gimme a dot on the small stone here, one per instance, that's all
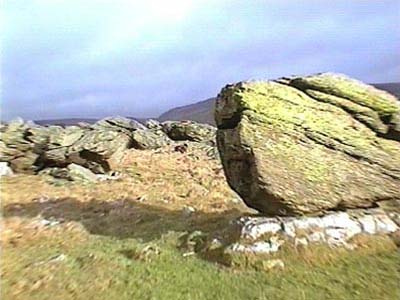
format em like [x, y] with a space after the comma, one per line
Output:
[191, 253]
[148, 253]
[273, 264]
[79, 173]
[5, 170]
[57, 258]
[256, 227]
[105, 177]
[256, 248]
[316, 237]
[48, 223]
[188, 211]
[300, 242]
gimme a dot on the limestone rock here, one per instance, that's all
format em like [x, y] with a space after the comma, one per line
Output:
[305, 145]
[267, 234]
[5, 170]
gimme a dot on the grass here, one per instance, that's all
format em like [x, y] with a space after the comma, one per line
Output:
[122, 240]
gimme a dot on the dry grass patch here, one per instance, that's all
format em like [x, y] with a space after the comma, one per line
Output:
[121, 240]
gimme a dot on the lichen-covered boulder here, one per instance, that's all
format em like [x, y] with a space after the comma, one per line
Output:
[305, 145]
[189, 131]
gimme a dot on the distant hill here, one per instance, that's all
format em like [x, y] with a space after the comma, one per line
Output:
[203, 111]
[392, 87]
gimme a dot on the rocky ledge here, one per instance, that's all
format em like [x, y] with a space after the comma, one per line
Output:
[86, 152]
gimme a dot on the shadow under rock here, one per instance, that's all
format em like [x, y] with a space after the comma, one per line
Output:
[126, 218]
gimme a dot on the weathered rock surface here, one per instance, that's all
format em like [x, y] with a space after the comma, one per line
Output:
[149, 139]
[267, 235]
[121, 123]
[189, 131]
[30, 148]
[17, 149]
[306, 145]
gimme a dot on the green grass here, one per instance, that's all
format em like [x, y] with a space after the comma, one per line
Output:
[123, 240]
[104, 267]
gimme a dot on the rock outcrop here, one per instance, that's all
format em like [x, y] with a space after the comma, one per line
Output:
[266, 235]
[307, 145]
[30, 148]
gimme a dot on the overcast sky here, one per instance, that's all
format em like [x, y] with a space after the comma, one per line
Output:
[74, 58]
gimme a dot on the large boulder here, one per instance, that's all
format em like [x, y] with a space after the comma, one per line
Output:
[305, 145]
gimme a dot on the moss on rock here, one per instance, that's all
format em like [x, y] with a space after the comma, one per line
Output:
[291, 151]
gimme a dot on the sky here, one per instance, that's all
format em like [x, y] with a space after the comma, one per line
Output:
[96, 58]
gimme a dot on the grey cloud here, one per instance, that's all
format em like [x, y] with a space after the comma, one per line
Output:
[55, 65]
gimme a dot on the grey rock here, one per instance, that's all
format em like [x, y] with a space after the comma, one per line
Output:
[260, 247]
[29, 148]
[189, 131]
[119, 123]
[153, 124]
[149, 139]
[79, 173]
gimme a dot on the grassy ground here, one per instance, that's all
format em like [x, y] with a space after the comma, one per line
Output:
[121, 240]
